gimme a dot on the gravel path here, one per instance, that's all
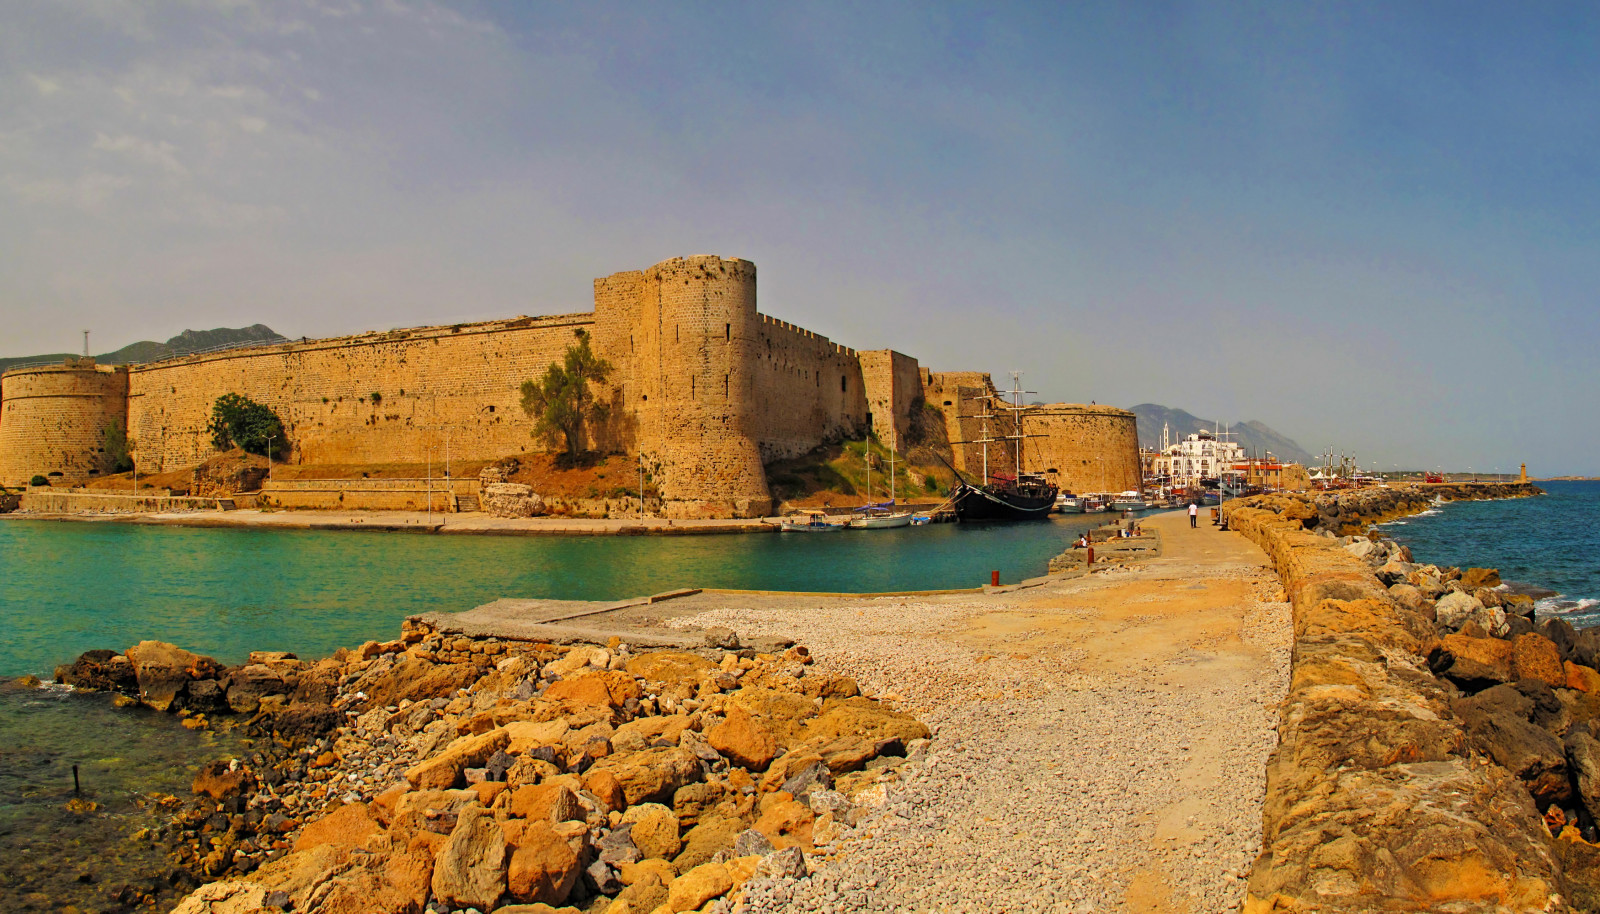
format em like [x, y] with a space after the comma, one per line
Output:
[1099, 743]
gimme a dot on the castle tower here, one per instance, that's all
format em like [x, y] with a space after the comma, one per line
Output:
[53, 420]
[691, 334]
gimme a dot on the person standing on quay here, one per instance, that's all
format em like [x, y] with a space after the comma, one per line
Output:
[1194, 513]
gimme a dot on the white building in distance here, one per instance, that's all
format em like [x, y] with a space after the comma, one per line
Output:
[1202, 455]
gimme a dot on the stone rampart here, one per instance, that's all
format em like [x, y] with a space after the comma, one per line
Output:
[47, 501]
[1374, 800]
[367, 494]
[893, 384]
[438, 389]
[53, 420]
[1083, 448]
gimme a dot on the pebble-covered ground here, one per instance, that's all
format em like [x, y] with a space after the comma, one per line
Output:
[1099, 743]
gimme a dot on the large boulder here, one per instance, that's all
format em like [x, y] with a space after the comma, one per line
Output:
[511, 499]
[543, 869]
[416, 679]
[444, 770]
[1473, 663]
[247, 685]
[1474, 578]
[1535, 657]
[654, 830]
[348, 826]
[1496, 724]
[651, 775]
[1583, 754]
[743, 740]
[107, 671]
[164, 670]
[470, 870]
[220, 779]
[604, 688]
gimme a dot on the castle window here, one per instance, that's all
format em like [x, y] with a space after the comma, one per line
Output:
[842, 382]
[724, 387]
[675, 337]
[691, 385]
[947, 403]
[727, 331]
[491, 407]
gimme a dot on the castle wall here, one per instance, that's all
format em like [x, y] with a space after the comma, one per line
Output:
[52, 420]
[810, 390]
[894, 387]
[693, 388]
[1083, 448]
[439, 388]
[955, 394]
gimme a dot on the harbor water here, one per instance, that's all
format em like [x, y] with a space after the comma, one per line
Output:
[70, 587]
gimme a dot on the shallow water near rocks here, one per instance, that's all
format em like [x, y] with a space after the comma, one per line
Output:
[52, 854]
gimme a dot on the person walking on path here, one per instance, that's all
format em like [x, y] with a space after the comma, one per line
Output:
[1194, 514]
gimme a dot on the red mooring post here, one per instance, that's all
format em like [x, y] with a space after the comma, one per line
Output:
[1088, 558]
[994, 579]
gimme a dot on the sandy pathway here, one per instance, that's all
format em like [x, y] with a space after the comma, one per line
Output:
[1100, 741]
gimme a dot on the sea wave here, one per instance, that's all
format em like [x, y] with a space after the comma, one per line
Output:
[1562, 605]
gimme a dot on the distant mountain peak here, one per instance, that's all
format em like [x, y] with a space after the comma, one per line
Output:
[149, 351]
[1252, 435]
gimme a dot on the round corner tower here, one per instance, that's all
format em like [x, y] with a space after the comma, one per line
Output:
[53, 420]
[695, 385]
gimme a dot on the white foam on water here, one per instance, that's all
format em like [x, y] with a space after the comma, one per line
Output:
[1563, 606]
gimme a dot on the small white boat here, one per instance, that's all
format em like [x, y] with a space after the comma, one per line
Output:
[1091, 504]
[1067, 503]
[881, 521]
[1129, 501]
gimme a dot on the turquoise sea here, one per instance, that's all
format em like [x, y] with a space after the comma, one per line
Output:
[68, 587]
[1549, 544]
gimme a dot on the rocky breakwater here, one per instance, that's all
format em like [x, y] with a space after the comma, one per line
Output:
[489, 775]
[1352, 511]
[1437, 749]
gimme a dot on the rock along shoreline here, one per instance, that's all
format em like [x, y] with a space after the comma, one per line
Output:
[439, 772]
[1438, 746]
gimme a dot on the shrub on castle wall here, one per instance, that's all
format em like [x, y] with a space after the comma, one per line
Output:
[241, 422]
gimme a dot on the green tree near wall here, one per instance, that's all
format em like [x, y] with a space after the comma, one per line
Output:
[560, 402]
[114, 442]
[242, 422]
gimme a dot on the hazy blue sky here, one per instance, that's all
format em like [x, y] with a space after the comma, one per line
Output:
[1372, 226]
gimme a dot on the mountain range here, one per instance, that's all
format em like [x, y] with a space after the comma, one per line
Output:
[1254, 437]
[149, 351]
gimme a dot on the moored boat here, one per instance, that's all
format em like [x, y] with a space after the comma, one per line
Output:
[1068, 503]
[1027, 497]
[1129, 501]
[880, 517]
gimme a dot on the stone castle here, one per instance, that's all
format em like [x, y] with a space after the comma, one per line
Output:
[706, 389]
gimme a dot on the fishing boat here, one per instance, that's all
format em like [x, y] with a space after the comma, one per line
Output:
[1092, 504]
[810, 522]
[1068, 503]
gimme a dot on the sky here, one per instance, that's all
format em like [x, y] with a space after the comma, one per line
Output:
[1373, 226]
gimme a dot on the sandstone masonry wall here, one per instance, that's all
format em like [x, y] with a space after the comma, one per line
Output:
[1084, 448]
[953, 393]
[52, 420]
[454, 387]
[894, 388]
